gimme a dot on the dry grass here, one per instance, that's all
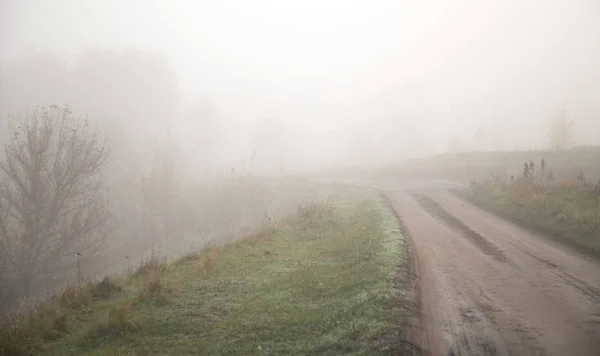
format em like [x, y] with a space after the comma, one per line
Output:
[119, 318]
[74, 297]
[312, 212]
[106, 288]
[208, 261]
[118, 322]
[155, 287]
[192, 256]
[566, 209]
[152, 264]
[264, 233]
[21, 332]
[16, 336]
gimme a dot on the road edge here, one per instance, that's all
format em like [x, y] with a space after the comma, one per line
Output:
[413, 323]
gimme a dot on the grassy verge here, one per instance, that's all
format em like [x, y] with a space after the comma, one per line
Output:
[564, 210]
[328, 280]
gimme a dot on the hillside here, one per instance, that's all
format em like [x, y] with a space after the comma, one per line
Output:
[479, 165]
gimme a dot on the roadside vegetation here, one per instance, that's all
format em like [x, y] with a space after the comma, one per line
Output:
[74, 205]
[464, 166]
[328, 279]
[567, 208]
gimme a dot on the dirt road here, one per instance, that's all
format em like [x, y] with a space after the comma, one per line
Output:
[490, 287]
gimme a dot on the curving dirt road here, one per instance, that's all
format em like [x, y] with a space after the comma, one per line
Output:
[490, 287]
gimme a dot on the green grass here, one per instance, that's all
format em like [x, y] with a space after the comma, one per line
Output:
[329, 280]
[566, 212]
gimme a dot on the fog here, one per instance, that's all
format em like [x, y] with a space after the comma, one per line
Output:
[211, 109]
[317, 82]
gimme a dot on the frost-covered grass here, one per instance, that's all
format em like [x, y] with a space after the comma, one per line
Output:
[328, 279]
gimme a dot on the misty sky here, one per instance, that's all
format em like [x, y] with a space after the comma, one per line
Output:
[326, 68]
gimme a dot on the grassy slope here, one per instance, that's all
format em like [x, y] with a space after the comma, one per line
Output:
[565, 212]
[479, 165]
[328, 281]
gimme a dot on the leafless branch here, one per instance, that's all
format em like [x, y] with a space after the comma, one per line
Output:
[52, 202]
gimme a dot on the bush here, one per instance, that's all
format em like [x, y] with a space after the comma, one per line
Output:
[106, 288]
[74, 297]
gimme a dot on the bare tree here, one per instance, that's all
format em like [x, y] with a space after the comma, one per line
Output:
[562, 128]
[52, 201]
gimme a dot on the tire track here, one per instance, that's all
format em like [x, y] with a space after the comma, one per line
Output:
[592, 293]
[553, 258]
[433, 208]
[486, 288]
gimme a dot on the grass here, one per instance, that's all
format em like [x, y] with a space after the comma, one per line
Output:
[564, 209]
[329, 280]
[465, 166]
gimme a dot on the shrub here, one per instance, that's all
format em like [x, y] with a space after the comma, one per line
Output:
[106, 288]
[74, 297]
